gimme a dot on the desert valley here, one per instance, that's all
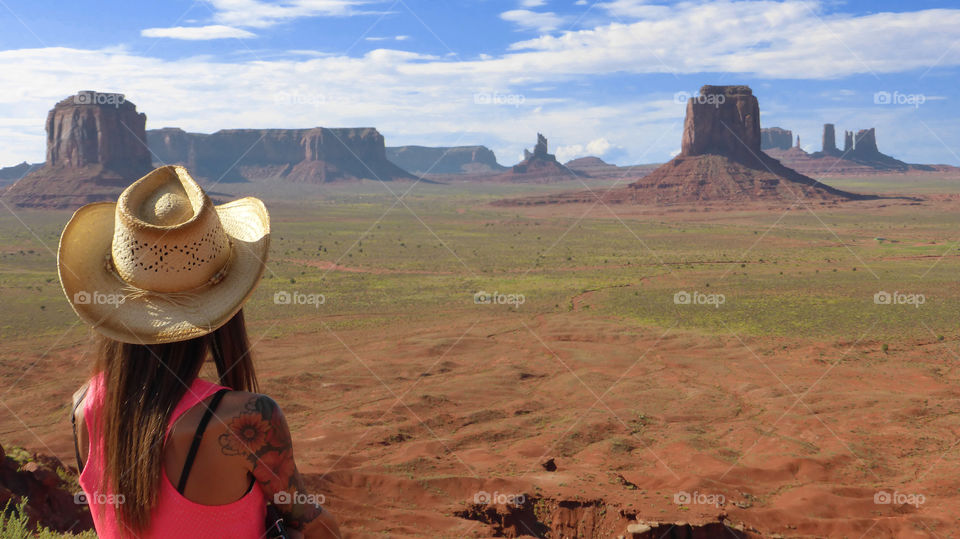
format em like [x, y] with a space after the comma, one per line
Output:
[749, 340]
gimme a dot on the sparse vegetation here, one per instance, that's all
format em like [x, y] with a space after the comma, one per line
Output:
[15, 525]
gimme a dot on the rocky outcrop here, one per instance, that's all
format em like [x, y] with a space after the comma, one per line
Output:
[860, 155]
[539, 166]
[538, 159]
[445, 160]
[720, 161]
[50, 500]
[317, 155]
[721, 158]
[866, 152]
[775, 138]
[9, 175]
[722, 120]
[96, 145]
[829, 144]
[865, 143]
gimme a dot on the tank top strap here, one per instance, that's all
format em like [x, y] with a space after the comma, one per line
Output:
[198, 391]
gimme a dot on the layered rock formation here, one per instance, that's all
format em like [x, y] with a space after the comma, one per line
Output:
[317, 155]
[775, 138]
[50, 502]
[722, 120]
[860, 155]
[830, 140]
[864, 150]
[9, 175]
[447, 160]
[720, 160]
[865, 143]
[95, 148]
[539, 166]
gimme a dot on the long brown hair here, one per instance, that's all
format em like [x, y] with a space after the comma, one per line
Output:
[144, 383]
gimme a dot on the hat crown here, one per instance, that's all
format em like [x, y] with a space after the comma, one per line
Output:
[167, 234]
[168, 209]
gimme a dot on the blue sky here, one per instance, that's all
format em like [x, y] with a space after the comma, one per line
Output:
[597, 77]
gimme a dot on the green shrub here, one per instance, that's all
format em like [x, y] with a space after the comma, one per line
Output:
[15, 525]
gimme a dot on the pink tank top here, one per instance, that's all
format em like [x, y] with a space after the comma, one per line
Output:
[174, 515]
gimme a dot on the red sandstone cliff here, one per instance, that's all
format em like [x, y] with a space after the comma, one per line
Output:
[316, 155]
[96, 146]
[720, 161]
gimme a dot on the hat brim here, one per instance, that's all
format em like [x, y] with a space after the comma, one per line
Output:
[98, 295]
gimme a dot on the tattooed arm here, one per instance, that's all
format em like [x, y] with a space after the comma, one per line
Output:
[259, 432]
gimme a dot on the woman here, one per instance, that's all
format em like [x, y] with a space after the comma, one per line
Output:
[162, 276]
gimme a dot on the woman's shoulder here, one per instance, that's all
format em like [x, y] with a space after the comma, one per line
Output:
[251, 425]
[236, 403]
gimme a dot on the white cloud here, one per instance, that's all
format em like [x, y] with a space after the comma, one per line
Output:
[385, 38]
[409, 95]
[262, 14]
[195, 33]
[533, 20]
[532, 3]
[791, 39]
[599, 147]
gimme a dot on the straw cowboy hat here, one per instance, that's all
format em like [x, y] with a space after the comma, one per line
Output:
[162, 264]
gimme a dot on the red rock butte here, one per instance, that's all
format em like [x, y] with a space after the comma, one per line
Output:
[720, 161]
[96, 146]
[314, 156]
[539, 166]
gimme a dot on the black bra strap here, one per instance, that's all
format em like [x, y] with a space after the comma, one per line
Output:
[73, 421]
[197, 437]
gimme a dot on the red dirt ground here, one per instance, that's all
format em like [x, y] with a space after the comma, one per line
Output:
[403, 428]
